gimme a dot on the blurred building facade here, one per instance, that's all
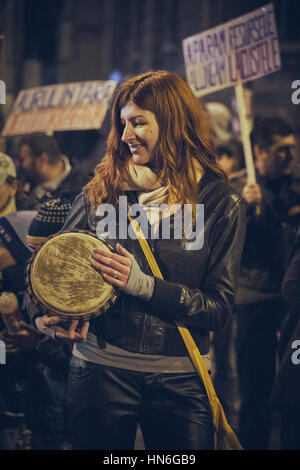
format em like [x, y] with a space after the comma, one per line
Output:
[56, 41]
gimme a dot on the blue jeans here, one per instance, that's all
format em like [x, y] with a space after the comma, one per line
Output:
[105, 405]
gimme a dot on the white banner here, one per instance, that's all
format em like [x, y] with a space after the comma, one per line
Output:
[240, 50]
[69, 106]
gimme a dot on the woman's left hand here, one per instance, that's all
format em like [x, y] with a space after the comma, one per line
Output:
[115, 268]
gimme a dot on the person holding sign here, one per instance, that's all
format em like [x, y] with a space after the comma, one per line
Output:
[259, 305]
[286, 391]
[130, 364]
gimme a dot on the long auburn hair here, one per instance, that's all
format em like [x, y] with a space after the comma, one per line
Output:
[184, 133]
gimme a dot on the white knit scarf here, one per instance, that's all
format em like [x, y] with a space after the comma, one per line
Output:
[150, 191]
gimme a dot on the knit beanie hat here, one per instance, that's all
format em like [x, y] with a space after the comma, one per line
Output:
[49, 220]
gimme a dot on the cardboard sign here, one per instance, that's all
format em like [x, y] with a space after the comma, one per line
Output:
[70, 106]
[240, 50]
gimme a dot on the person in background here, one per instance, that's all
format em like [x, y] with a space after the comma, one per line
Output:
[286, 391]
[273, 209]
[14, 254]
[8, 185]
[37, 365]
[45, 171]
[229, 148]
[230, 157]
[221, 121]
[84, 146]
[14, 251]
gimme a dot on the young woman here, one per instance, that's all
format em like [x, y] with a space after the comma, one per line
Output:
[130, 364]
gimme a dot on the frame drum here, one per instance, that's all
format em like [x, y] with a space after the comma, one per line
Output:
[61, 280]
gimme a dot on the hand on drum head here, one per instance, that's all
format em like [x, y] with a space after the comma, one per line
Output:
[115, 268]
[76, 332]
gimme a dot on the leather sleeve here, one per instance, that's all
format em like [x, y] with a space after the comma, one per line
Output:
[209, 306]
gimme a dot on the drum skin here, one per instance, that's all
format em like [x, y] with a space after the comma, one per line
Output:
[61, 280]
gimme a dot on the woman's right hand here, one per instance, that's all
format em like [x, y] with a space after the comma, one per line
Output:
[49, 325]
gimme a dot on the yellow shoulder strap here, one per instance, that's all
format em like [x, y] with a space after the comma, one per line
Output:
[196, 358]
[186, 336]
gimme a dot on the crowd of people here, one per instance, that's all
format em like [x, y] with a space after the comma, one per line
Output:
[89, 390]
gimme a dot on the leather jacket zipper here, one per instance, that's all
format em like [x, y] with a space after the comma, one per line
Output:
[146, 322]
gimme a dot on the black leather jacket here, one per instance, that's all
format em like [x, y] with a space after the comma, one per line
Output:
[198, 286]
[269, 235]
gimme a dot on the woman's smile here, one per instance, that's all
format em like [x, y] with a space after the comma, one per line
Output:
[140, 132]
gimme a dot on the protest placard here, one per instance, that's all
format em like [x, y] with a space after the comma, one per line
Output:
[240, 50]
[230, 54]
[70, 106]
